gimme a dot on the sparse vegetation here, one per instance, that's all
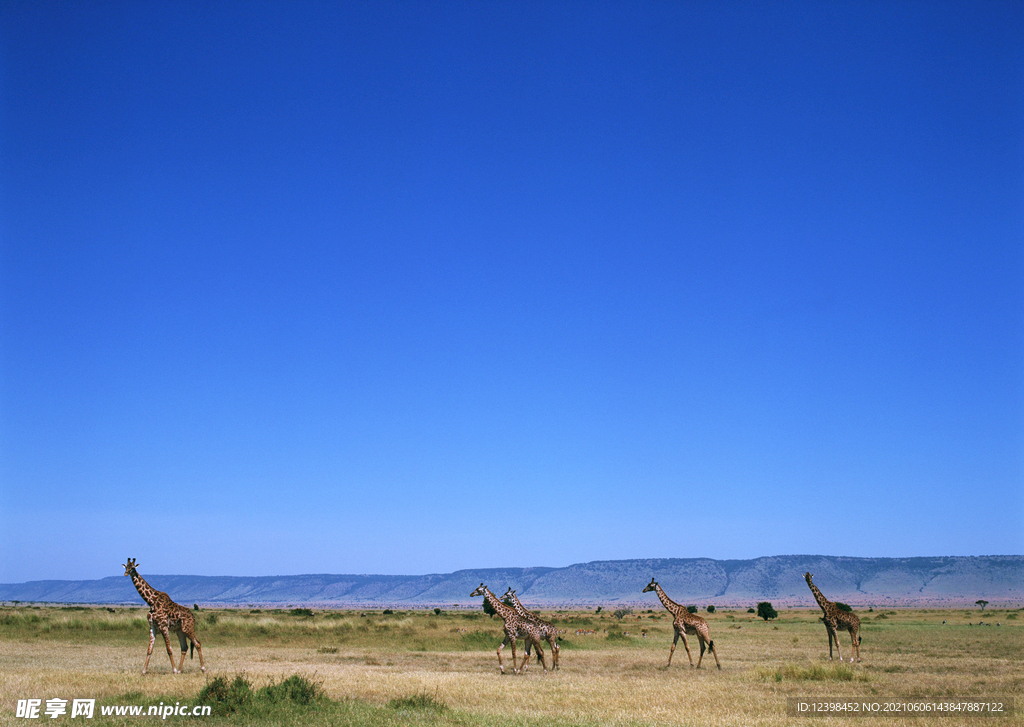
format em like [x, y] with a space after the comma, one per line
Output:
[439, 670]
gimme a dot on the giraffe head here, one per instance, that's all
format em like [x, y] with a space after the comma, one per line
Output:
[130, 566]
[808, 577]
[508, 594]
[479, 591]
[650, 586]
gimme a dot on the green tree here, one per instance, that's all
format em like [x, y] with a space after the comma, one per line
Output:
[981, 602]
[765, 610]
[843, 607]
[711, 609]
[691, 609]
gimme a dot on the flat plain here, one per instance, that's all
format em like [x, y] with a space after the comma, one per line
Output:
[426, 668]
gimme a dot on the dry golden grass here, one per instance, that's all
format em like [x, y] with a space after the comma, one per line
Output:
[616, 680]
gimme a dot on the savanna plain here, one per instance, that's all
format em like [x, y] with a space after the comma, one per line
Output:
[352, 667]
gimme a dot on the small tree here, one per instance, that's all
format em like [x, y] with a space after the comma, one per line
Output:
[981, 602]
[691, 609]
[437, 612]
[765, 610]
[621, 613]
[843, 607]
[711, 609]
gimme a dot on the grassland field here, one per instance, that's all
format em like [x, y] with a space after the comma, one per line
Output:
[416, 667]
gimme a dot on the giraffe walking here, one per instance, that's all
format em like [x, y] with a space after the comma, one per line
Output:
[548, 632]
[835, 619]
[685, 623]
[167, 616]
[515, 627]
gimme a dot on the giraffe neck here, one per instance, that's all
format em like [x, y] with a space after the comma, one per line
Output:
[503, 610]
[517, 605]
[145, 590]
[820, 598]
[668, 602]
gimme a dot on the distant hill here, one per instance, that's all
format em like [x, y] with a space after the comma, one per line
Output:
[860, 582]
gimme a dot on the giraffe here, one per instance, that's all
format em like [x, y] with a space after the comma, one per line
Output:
[685, 623]
[167, 616]
[515, 626]
[834, 619]
[548, 632]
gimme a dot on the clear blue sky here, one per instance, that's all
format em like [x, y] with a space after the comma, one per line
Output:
[374, 287]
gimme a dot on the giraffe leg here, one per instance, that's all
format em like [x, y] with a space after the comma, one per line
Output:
[672, 649]
[152, 639]
[854, 646]
[540, 656]
[554, 652]
[501, 646]
[714, 652]
[839, 649]
[700, 642]
[170, 651]
[687, 647]
[199, 648]
[525, 658]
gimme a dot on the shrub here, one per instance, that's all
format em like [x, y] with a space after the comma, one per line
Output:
[765, 610]
[296, 689]
[621, 613]
[437, 612]
[691, 609]
[225, 698]
[303, 612]
[750, 610]
[843, 607]
[711, 609]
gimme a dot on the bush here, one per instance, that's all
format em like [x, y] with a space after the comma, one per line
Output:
[304, 612]
[296, 689]
[765, 610]
[225, 698]
[238, 696]
[711, 609]
[750, 610]
[843, 607]
[621, 613]
[691, 609]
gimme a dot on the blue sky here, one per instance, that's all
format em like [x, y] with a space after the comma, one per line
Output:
[375, 287]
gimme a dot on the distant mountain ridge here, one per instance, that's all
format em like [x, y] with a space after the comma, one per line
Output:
[949, 581]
